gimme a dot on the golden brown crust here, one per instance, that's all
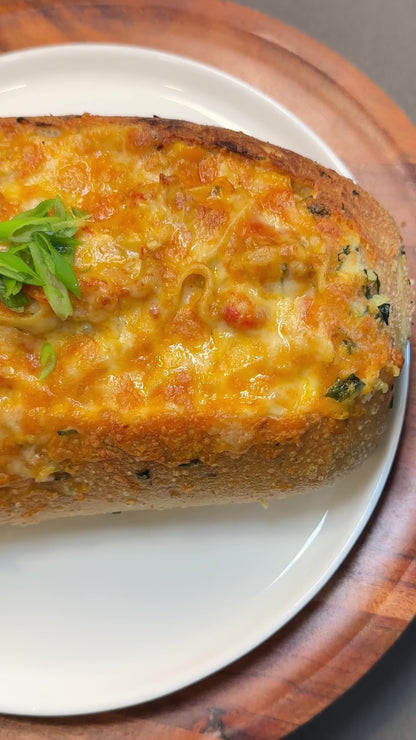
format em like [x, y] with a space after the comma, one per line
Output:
[125, 482]
[136, 468]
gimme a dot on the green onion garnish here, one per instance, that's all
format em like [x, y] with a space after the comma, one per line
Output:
[41, 246]
[47, 360]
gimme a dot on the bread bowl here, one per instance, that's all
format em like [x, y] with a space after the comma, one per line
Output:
[241, 319]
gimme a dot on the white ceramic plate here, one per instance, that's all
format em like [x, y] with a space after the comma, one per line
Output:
[103, 612]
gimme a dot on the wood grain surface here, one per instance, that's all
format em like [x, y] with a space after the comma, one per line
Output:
[372, 598]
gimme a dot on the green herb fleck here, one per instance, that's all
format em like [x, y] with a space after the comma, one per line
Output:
[372, 283]
[383, 312]
[344, 389]
[47, 360]
[344, 251]
[41, 246]
[350, 345]
[65, 432]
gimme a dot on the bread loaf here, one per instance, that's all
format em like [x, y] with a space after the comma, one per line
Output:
[236, 326]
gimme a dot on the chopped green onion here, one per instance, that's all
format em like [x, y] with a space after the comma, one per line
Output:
[41, 252]
[47, 360]
[14, 301]
[54, 290]
[15, 268]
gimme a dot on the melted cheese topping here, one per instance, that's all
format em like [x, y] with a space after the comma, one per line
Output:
[210, 290]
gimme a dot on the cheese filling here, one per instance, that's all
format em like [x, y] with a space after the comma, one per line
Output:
[209, 287]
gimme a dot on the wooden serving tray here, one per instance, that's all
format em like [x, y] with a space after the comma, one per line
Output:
[372, 598]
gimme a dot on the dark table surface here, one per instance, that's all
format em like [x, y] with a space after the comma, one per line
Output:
[378, 36]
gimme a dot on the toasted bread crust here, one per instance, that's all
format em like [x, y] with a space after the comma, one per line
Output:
[140, 467]
[125, 482]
